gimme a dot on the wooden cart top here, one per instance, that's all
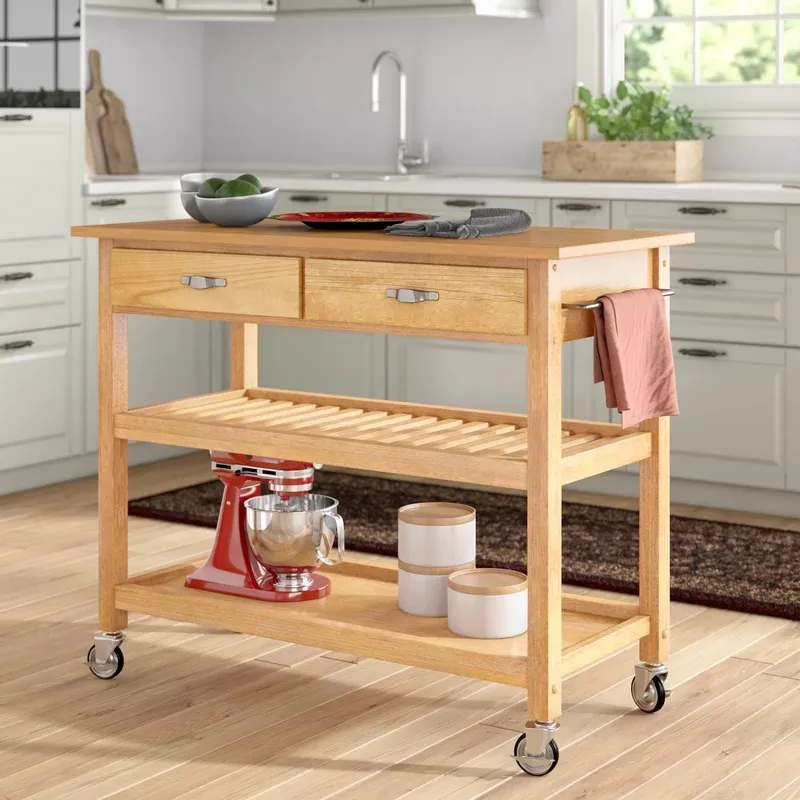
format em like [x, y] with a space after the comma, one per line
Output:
[272, 237]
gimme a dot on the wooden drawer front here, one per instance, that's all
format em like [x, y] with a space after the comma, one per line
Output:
[731, 238]
[256, 285]
[732, 425]
[36, 373]
[38, 296]
[474, 300]
[581, 214]
[460, 206]
[729, 307]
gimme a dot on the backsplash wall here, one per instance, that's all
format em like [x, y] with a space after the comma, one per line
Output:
[156, 68]
[484, 92]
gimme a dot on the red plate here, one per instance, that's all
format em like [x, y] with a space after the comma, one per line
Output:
[351, 220]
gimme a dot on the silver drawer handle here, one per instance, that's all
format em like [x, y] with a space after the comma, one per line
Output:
[411, 295]
[18, 345]
[201, 282]
[17, 276]
[702, 282]
[701, 352]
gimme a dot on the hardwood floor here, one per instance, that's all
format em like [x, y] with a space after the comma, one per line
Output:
[220, 716]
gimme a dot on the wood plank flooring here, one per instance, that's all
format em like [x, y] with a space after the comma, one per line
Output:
[219, 716]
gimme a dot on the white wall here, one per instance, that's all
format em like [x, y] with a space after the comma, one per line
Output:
[483, 91]
[156, 68]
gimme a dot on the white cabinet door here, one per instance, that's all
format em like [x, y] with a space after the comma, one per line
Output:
[168, 358]
[36, 201]
[42, 414]
[459, 206]
[322, 5]
[793, 420]
[299, 201]
[732, 425]
[463, 374]
[419, 3]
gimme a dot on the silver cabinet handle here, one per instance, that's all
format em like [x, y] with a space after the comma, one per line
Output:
[109, 202]
[465, 203]
[16, 276]
[701, 352]
[411, 295]
[17, 118]
[702, 211]
[578, 207]
[201, 282]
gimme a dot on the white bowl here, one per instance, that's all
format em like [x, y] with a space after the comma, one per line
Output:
[189, 202]
[238, 212]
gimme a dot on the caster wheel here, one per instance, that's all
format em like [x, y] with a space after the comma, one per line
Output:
[536, 765]
[653, 698]
[110, 669]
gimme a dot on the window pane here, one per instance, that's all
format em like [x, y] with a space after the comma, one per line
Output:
[791, 7]
[643, 9]
[658, 53]
[738, 52]
[791, 45]
[735, 7]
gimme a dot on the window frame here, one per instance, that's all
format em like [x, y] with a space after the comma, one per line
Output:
[732, 109]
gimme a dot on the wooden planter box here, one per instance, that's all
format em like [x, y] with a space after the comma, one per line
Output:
[674, 162]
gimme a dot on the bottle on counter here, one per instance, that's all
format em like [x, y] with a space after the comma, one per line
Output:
[577, 128]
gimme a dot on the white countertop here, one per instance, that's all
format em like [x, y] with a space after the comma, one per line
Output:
[706, 191]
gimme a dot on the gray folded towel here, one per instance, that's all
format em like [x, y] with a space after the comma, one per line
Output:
[482, 222]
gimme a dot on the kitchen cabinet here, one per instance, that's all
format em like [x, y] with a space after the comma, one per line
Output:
[459, 206]
[221, 6]
[300, 201]
[131, 5]
[332, 362]
[733, 426]
[36, 204]
[421, 3]
[42, 417]
[732, 237]
[168, 358]
[793, 420]
[324, 5]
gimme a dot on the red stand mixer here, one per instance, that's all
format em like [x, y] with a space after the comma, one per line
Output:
[233, 568]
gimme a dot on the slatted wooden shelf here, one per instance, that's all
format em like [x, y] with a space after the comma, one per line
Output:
[481, 447]
[361, 616]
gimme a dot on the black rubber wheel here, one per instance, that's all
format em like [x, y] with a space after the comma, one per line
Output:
[110, 669]
[543, 769]
[654, 697]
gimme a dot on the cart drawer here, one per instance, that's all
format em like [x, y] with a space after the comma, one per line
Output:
[468, 299]
[204, 283]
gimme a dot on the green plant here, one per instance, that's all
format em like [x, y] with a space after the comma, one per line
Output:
[634, 112]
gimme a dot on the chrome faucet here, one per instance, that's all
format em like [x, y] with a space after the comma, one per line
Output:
[404, 158]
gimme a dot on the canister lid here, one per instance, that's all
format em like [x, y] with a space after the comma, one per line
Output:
[488, 581]
[436, 514]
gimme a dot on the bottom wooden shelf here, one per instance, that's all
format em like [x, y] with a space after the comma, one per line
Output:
[361, 617]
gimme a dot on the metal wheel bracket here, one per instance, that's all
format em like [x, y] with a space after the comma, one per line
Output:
[105, 644]
[644, 674]
[537, 736]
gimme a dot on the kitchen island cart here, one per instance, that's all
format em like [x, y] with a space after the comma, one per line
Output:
[530, 289]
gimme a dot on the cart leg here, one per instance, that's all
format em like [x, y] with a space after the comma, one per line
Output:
[244, 355]
[654, 521]
[112, 476]
[544, 513]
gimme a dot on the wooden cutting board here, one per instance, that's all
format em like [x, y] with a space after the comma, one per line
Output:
[96, 161]
[117, 138]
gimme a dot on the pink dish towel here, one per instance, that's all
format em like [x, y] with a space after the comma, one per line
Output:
[633, 355]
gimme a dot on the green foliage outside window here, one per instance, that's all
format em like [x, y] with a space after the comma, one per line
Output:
[633, 112]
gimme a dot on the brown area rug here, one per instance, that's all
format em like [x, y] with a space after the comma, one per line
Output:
[737, 567]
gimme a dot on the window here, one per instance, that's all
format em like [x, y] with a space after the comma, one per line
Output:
[706, 42]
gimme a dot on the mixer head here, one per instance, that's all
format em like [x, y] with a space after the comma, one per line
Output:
[281, 476]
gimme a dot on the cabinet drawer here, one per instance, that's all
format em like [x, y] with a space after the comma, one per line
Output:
[473, 300]
[581, 214]
[38, 296]
[729, 307]
[729, 237]
[37, 371]
[300, 201]
[732, 425]
[258, 285]
[460, 206]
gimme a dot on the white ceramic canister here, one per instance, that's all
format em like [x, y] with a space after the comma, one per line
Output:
[487, 603]
[422, 591]
[436, 534]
